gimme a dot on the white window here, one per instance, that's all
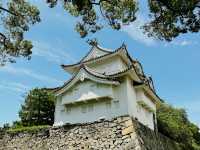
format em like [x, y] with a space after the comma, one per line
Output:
[90, 107]
[84, 109]
[116, 104]
[138, 108]
[62, 110]
[108, 105]
[68, 109]
[93, 85]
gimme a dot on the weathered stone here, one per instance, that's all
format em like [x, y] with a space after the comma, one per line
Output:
[127, 130]
[126, 118]
[133, 135]
[112, 125]
[118, 134]
[128, 123]
[125, 137]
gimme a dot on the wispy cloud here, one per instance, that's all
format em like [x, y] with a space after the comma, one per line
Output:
[181, 43]
[58, 13]
[14, 86]
[29, 73]
[192, 107]
[135, 31]
[51, 53]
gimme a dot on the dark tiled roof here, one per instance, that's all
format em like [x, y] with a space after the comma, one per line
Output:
[89, 71]
[112, 77]
[101, 49]
[51, 89]
[123, 71]
[92, 59]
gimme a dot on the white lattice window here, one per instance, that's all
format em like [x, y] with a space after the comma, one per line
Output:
[90, 107]
[108, 105]
[68, 110]
[116, 104]
[84, 109]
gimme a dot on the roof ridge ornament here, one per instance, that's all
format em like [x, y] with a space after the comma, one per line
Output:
[82, 78]
[123, 45]
[92, 42]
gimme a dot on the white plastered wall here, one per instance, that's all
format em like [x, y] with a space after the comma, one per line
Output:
[86, 90]
[135, 110]
[94, 110]
[110, 66]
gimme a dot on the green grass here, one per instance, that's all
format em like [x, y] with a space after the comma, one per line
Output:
[31, 129]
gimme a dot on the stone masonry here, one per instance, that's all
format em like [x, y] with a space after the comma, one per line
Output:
[122, 133]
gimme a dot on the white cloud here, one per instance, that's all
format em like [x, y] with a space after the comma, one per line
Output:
[185, 43]
[14, 86]
[29, 73]
[135, 31]
[180, 43]
[50, 53]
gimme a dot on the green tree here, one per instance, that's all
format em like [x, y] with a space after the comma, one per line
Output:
[169, 18]
[174, 123]
[16, 18]
[38, 108]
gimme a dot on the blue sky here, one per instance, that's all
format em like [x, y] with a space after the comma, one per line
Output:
[174, 66]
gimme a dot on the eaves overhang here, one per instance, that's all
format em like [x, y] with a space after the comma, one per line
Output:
[154, 97]
[122, 52]
[85, 73]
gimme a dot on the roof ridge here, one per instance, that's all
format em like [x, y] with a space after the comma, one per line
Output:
[98, 47]
[122, 71]
[89, 72]
[104, 49]
[112, 52]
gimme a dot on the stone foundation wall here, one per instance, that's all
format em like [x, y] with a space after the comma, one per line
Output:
[117, 134]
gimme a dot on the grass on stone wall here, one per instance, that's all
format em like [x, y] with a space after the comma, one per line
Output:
[31, 129]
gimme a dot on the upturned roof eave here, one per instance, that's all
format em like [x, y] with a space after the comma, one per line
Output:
[101, 79]
[88, 53]
[150, 91]
[91, 49]
[111, 76]
[71, 67]
[130, 71]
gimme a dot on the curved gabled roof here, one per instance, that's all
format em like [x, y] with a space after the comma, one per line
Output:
[94, 46]
[85, 72]
[112, 78]
[149, 90]
[108, 79]
[92, 49]
[101, 57]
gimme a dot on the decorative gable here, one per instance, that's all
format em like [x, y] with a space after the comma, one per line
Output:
[84, 74]
[87, 91]
[95, 52]
[103, 61]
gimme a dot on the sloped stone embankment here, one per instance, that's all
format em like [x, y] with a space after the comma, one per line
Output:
[120, 133]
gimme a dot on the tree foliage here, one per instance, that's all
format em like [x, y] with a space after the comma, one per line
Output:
[173, 17]
[169, 18]
[38, 108]
[174, 123]
[16, 18]
[115, 12]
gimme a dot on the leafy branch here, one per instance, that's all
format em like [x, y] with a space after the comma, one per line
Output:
[17, 17]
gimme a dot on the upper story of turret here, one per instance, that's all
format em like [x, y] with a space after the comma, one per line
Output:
[105, 61]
